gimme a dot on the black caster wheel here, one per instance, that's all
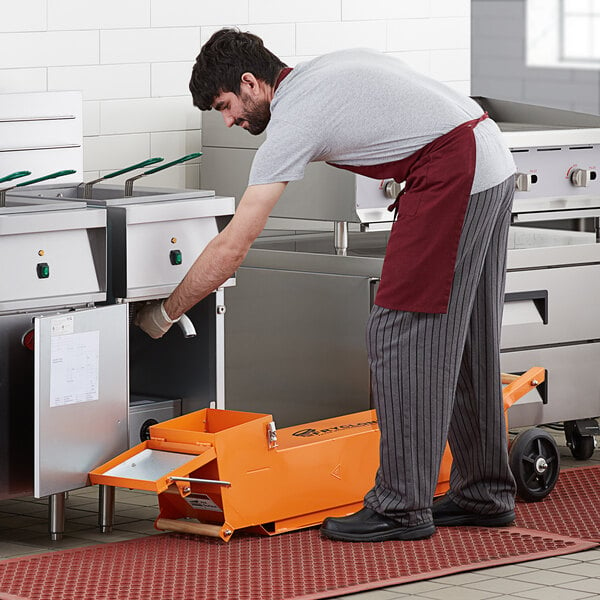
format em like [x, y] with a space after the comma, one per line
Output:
[535, 463]
[582, 446]
[580, 438]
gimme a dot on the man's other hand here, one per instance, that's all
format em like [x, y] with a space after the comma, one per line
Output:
[153, 319]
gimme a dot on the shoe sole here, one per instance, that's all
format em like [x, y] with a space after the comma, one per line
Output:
[404, 534]
[502, 520]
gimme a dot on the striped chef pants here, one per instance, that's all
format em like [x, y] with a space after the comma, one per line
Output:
[436, 377]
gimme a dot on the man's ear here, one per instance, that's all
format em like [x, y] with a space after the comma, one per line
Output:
[249, 82]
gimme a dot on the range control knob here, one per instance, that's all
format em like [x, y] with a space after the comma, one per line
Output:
[392, 188]
[582, 177]
[524, 181]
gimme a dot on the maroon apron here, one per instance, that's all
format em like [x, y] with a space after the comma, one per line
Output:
[420, 257]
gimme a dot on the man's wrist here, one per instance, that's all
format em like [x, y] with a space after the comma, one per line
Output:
[165, 314]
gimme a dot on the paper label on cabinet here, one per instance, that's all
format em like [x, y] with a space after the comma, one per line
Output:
[61, 325]
[74, 367]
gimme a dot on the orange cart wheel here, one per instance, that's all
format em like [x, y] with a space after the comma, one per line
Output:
[535, 463]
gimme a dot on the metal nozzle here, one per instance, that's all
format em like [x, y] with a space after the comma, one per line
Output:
[189, 331]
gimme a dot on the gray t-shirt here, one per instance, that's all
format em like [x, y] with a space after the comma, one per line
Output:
[361, 107]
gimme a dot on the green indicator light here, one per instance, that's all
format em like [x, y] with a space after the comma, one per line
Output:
[43, 270]
[175, 256]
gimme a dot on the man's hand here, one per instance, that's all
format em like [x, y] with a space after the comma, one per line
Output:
[153, 319]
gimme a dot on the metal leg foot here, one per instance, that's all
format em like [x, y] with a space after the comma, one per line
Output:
[106, 508]
[56, 516]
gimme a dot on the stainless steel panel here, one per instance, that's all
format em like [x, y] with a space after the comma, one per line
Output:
[325, 193]
[572, 389]
[146, 411]
[553, 167]
[70, 257]
[81, 395]
[295, 344]
[16, 408]
[571, 306]
[107, 195]
[148, 247]
[41, 132]
[526, 125]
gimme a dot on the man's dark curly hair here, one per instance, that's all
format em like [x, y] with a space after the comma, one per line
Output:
[224, 59]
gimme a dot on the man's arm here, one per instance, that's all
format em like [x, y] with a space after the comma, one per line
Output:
[219, 260]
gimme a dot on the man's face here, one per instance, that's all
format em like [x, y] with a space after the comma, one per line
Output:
[253, 114]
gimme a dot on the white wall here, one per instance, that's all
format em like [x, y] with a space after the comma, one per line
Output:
[132, 58]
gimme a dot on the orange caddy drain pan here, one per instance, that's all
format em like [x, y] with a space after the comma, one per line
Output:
[217, 471]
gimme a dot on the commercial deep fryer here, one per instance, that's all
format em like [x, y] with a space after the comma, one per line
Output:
[63, 365]
[151, 237]
[304, 295]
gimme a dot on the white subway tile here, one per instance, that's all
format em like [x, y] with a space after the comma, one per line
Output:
[279, 39]
[409, 34]
[319, 38]
[276, 11]
[148, 114]
[25, 15]
[91, 14]
[23, 80]
[73, 14]
[419, 60]
[113, 152]
[451, 8]
[175, 144]
[102, 82]
[451, 65]
[116, 14]
[428, 34]
[49, 49]
[359, 10]
[450, 32]
[193, 12]
[149, 45]
[91, 118]
[171, 79]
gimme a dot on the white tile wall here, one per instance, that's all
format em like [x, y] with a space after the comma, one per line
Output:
[49, 49]
[318, 38]
[91, 14]
[182, 13]
[23, 80]
[359, 10]
[148, 45]
[132, 59]
[171, 78]
[148, 115]
[276, 11]
[102, 82]
[25, 15]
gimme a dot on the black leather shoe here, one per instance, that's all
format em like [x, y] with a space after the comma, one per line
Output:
[446, 514]
[368, 526]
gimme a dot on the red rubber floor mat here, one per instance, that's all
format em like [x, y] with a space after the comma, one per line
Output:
[572, 509]
[298, 565]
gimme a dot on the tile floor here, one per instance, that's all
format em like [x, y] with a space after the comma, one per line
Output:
[24, 525]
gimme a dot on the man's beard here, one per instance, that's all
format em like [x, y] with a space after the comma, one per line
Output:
[258, 115]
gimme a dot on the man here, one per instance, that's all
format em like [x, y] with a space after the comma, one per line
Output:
[433, 334]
